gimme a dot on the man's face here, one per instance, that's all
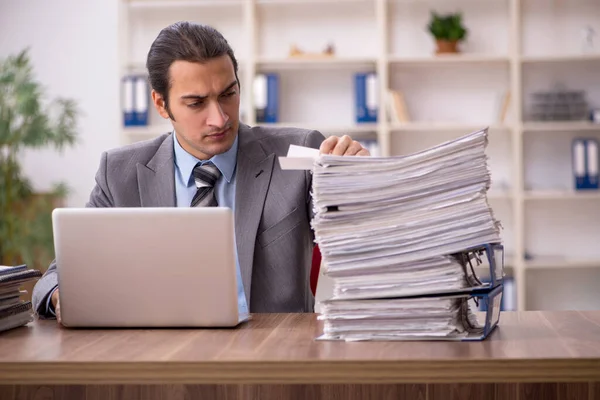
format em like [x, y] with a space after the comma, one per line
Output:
[204, 100]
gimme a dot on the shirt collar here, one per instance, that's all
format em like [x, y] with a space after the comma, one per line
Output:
[186, 162]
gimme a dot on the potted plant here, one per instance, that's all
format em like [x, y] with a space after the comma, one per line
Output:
[28, 120]
[447, 30]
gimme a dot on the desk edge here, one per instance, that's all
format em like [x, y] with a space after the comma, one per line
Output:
[313, 372]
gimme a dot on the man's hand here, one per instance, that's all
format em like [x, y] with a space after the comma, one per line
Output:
[56, 304]
[342, 146]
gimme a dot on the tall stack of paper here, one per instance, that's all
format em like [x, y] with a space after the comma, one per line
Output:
[14, 311]
[392, 228]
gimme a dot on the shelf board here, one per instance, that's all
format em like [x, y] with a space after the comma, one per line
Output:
[140, 67]
[135, 68]
[509, 266]
[560, 126]
[146, 132]
[559, 58]
[314, 62]
[499, 195]
[286, 2]
[449, 59]
[134, 134]
[153, 4]
[352, 130]
[561, 262]
[155, 130]
[443, 127]
[561, 195]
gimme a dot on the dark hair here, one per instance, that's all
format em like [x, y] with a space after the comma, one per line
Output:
[185, 41]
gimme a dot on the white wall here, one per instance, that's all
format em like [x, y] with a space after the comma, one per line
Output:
[73, 47]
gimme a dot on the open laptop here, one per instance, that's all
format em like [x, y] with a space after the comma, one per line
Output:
[146, 267]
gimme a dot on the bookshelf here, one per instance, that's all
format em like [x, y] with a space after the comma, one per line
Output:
[561, 127]
[514, 46]
[559, 58]
[461, 59]
[315, 64]
[561, 195]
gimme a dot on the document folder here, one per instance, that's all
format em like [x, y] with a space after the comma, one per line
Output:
[453, 273]
[492, 300]
[591, 158]
[7, 269]
[407, 319]
[585, 163]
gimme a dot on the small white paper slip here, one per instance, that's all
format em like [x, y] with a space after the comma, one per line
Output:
[299, 157]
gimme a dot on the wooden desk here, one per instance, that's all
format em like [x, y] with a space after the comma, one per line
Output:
[532, 355]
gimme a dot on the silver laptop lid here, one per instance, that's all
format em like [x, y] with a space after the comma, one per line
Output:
[146, 267]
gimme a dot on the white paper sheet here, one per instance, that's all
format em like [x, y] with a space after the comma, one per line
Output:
[299, 158]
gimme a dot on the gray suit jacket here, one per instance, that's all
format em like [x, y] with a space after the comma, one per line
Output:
[272, 211]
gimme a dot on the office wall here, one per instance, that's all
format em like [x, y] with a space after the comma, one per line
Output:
[74, 53]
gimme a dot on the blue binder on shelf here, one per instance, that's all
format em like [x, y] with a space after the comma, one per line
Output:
[585, 163]
[141, 101]
[136, 100]
[366, 97]
[266, 97]
[127, 105]
[591, 163]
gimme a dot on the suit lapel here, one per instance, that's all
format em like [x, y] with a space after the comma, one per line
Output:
[156, 180]
[254, 169]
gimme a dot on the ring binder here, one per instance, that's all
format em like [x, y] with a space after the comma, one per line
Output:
[403, 242]
[494, 253]
[15, 312]
[344, 323]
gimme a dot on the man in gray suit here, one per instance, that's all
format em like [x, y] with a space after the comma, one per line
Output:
[212, 159]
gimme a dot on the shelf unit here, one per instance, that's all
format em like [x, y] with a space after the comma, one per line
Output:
[443, 127]
[518, 46]
[583, 126]
[562, 195]
[561, 262]
[462, 59]
[560, 58]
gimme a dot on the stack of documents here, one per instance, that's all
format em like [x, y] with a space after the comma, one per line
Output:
[394, 228]
[447, 317]
[14, 311]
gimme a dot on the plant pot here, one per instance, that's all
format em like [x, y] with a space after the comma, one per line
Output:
[446, 46]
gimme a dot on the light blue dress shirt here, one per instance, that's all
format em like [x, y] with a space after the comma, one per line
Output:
[185, 188]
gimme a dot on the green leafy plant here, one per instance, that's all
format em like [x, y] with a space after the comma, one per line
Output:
[447, 27]
[28, 121]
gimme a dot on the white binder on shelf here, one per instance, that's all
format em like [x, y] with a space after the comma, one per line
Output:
[135, 100]
[585, 163]
[127, 101]
[142, 95]
[591, 158]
